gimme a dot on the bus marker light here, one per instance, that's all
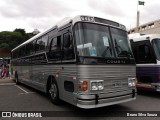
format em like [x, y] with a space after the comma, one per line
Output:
[84, 85]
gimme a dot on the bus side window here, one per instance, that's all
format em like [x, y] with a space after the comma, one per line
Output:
[29, 48]
[68, 49]
[44, 42]
[53, 44]
[144, 53]
[32, 47]
[36, 46]
[22, 51]
[41, 43]
[55, 48]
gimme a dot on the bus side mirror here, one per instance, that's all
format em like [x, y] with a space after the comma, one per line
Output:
[67, 40]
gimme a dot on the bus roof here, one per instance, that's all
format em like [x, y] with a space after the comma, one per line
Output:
[140, 37]
[73, 20]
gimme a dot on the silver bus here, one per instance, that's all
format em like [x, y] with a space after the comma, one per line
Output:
[85, 61]
[146, 50]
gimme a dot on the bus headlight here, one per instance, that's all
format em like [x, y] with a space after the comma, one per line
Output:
[97, 85]
[100, 86]
[131, 82]
[94, 86]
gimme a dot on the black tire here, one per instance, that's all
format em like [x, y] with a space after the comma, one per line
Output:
[54, 92]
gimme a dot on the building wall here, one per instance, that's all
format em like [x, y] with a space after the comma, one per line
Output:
[152, 31]
[148, 28]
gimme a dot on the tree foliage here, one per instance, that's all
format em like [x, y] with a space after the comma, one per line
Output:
[12, 39]
[4, 45]
[22, 31]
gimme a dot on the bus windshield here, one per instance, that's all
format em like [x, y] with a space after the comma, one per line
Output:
[95, 40]
[156, 47]
[121, 44]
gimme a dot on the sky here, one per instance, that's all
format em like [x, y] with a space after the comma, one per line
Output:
[42, 14]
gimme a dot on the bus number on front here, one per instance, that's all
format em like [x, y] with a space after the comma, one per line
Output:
[87, 18]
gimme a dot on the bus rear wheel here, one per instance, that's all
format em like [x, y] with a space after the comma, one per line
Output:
[54, 92]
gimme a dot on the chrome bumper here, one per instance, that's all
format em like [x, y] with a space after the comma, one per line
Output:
[100, 100]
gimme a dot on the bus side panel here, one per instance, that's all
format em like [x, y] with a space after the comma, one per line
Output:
[24, 73]
[68, 85]
[41, 73]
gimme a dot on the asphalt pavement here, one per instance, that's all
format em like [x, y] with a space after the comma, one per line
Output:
[6, 80]
[23, 98]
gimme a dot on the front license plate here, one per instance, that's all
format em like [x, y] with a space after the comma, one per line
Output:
[117, 84]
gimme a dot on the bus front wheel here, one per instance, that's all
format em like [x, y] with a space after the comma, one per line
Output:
[54, 92]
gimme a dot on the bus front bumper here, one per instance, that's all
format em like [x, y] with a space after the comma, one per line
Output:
[95, 101]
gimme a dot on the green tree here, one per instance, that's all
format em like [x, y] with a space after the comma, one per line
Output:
[22, 31]
[4, 45]
[29, 35]
[14, 38]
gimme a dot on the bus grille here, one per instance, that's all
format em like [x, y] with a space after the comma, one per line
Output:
[115, 77]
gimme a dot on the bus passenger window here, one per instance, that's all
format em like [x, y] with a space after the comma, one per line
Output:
[44, 41]
[41, 44]
[29, 48]
[54, 44]
[32, 47]
[55, 48]
[22, 51]
[66, 40]
[59, 42]
[37, 45]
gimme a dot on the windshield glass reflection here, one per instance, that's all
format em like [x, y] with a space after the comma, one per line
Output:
[156, 47]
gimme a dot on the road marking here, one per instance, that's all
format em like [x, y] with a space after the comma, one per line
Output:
[22, 89]
[7, 83]
[25, 93]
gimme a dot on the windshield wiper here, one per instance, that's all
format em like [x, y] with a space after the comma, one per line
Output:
[117, 46]
[125, 54]
[106, 50]
[121, 53]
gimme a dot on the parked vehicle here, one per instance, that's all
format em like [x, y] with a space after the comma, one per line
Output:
[85, 61]
[146, 49]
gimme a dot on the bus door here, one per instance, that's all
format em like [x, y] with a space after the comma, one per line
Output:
[54, 56]
[68, 73]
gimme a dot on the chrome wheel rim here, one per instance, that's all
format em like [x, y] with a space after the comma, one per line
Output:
[53, 91]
